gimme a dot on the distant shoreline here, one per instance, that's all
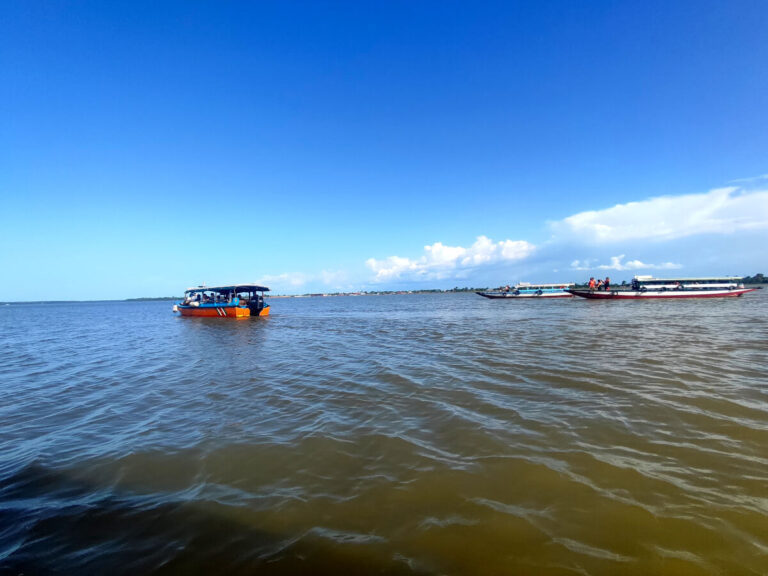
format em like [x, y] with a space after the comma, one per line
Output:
[314, 295]
[317, 295]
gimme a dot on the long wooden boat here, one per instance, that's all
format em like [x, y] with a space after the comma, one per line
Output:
[648, 287]
[528, 290]
[234, 301]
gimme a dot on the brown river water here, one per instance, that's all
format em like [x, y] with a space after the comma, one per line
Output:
[413, 434]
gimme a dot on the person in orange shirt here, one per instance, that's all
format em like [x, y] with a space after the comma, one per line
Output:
[592, 283]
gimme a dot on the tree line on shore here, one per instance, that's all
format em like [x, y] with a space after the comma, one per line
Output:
[756, 279]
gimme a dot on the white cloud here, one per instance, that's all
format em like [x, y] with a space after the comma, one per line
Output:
[719, 211]
[333, 277]
[752, 179]
[440, 261]
[292, 282]
[281, 281]
[618, 264]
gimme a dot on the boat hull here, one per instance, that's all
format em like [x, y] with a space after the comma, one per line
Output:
[659, 294]
[510, 295]
[214, 311]
[220, 311]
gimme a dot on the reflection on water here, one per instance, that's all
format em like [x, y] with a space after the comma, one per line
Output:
[422, 434]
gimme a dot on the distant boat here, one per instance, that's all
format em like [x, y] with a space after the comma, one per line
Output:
[528, 290]
[236, 301]
[651, 288]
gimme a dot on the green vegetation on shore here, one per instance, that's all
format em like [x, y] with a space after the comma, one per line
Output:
[756, 279]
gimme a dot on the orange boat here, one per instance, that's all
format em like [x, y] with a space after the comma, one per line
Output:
[236, 301]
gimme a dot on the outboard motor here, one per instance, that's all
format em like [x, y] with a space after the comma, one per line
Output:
[256, 304]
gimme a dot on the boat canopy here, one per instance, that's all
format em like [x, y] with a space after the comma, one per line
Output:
[529, 285]
[226, 289]
[703, 279]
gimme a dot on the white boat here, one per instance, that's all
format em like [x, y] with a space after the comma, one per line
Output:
[528, 290]
[650, 287]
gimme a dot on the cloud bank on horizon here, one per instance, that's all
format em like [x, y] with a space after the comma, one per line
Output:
[292, 281]
[440, 262]
[619, 238]
[721, 211]
[617, 263]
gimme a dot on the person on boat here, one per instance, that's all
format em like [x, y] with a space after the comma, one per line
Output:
[607, 284]
[592, 283]
[600, 284]
[506, 288]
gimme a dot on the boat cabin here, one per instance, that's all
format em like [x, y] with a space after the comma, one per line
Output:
[528, 288]
[708, 283]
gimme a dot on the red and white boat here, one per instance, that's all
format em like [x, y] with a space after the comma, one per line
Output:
[649, 287]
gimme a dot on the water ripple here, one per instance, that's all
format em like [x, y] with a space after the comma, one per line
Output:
[400, 434]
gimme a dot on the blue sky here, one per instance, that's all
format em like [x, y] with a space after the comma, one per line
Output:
[322, 146]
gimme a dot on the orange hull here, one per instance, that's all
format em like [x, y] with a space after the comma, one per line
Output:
[217, 312]
[264, 311]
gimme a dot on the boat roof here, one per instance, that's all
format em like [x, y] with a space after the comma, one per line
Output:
[704, 278]
[230, 288]
[555, 285]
